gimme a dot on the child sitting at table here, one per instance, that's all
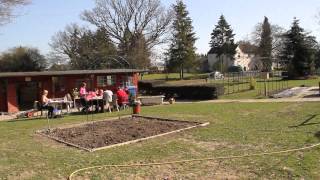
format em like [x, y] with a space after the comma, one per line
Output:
[45, 103]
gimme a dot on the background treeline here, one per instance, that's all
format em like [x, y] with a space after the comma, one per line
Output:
[132, 34]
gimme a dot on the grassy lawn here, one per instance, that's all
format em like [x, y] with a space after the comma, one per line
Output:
[255, 94]
[244, 94]
[235, 129]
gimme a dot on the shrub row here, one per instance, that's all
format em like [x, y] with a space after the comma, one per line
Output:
[191, 92]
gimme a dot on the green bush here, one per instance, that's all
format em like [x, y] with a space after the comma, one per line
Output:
[235, 69]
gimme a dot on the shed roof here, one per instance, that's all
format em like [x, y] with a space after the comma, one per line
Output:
[71, 72]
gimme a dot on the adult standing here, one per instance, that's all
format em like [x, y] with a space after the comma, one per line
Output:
[83, 93]
[107, 97]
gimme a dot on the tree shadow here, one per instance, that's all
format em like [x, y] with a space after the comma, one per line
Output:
[312, 96]
[317, 135]
[307, 122]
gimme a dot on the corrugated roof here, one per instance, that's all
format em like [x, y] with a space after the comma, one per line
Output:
[71, 72]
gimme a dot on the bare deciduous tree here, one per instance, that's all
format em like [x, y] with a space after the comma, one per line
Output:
[7, 7]
[123, 17]
[65, 43]
[277, 37]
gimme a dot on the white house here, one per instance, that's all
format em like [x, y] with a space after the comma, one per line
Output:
[245, 57]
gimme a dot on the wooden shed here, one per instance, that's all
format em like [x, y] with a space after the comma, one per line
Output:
[19, 90]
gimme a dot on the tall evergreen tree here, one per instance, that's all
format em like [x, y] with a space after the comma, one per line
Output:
[182, 50]
[298, 52]
[265, 46]
[222, 41]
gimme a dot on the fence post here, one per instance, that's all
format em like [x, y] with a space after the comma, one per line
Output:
[265, 87]
[228, 82]
[238, 81]
[232, 83]
[272, 81]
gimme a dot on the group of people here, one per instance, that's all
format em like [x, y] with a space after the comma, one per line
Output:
[105, 97]
[101, 99]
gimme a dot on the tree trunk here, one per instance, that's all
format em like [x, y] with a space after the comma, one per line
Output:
[181, 72]
[221, 64]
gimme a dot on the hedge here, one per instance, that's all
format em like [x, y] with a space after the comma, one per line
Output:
[192, 92]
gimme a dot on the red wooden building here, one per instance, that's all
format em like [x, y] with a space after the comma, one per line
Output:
[19, 90]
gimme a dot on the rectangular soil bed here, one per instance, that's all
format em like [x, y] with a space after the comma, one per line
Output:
[110, 133]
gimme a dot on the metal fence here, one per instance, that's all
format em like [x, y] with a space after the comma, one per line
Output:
[275, 83]
[252, 80]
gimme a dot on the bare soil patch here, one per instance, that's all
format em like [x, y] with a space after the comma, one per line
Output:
[111, 132]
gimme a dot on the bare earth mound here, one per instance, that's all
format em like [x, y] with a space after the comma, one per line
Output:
[106, 133]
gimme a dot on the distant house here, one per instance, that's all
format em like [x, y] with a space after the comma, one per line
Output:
[245, 57]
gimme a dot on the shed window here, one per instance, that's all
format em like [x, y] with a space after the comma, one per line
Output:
[103, 81]
[128, 81]
[59, 84]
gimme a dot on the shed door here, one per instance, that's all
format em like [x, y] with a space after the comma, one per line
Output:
[3, 96]
[27, 93]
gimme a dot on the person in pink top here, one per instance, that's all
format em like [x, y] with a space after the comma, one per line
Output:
[83, 93]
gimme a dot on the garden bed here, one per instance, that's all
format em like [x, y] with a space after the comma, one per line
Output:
[110, 133]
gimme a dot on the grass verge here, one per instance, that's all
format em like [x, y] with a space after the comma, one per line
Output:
[235, 129]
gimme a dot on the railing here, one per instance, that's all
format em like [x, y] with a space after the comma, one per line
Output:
[252, 80]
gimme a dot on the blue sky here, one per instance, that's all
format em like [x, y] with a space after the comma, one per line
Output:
[43, 18]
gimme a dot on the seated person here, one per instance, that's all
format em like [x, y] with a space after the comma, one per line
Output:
[45, 103]
[99, 92]
[122, 97]
[99, 103]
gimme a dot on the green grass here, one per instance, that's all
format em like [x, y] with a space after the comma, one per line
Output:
[257, 93]
[235, 129]
[244, 93]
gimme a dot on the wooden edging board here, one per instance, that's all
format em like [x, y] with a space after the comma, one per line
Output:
[41, 132]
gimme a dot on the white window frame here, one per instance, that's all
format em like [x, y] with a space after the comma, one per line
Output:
[103, 81]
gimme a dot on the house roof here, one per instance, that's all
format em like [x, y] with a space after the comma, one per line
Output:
[245, 47]
[71, 72]
[248, 48]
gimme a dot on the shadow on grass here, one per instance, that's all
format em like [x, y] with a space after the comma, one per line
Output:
[317, 135]
[44, 118]
[307, 122]
[25, 119]
[312, 96]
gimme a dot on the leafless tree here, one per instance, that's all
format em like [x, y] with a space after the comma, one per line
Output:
[123, 18]
[7, 8]
[64, 43]
[277, 37]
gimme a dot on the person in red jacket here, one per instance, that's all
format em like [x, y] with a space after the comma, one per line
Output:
[122, 97]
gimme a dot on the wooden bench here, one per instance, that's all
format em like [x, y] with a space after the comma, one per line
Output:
[151, 100]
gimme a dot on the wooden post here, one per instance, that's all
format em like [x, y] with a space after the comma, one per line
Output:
[232, 83]
[265, 88]
[228, 82]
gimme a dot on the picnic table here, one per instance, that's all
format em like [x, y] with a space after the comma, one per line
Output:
[92, 101]
[58, 103]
